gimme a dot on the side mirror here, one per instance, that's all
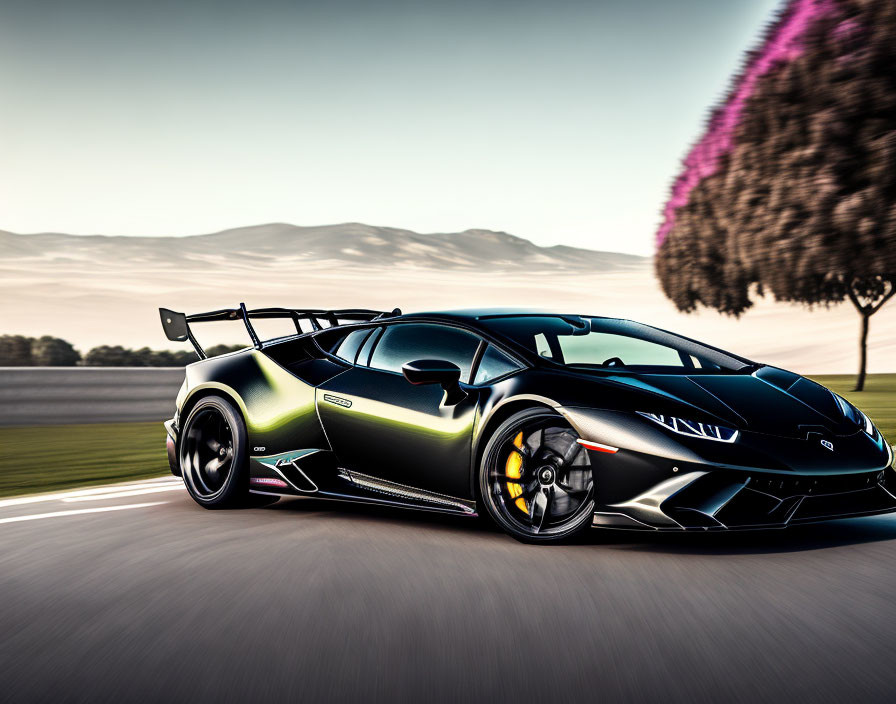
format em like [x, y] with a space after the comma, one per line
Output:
[436, 371]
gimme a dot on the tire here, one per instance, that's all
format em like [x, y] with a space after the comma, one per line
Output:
[213, 454]
[535, 480]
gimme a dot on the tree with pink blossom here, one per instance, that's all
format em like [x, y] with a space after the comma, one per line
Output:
[791, 190]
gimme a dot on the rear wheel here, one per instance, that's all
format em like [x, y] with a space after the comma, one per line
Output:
[213, 454]
[535, 479]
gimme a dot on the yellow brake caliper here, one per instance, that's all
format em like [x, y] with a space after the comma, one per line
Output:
[513, 470]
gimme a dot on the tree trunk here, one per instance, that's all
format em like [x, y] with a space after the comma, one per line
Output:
[879, 295]
[863, 352]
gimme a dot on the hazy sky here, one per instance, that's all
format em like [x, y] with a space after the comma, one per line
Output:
[560, 121]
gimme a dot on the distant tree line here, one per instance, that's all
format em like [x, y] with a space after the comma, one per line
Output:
[47, 351]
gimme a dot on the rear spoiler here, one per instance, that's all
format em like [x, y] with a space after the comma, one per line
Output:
[177, 325]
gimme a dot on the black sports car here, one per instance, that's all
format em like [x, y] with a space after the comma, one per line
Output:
[546, 422]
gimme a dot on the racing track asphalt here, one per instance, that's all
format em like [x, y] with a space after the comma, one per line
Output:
[313, 601]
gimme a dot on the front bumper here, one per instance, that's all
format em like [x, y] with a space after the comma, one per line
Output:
[727, 500]
[657, 480]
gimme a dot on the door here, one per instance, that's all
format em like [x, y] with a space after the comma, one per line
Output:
[380, 424]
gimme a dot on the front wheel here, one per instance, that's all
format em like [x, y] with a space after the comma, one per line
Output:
[535, 479]
[212, 455]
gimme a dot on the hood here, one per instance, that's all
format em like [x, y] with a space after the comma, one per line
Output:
[770, 400]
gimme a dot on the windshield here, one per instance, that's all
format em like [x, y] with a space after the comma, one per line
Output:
[613, 345]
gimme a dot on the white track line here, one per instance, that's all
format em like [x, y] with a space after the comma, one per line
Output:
[21, 500]
[75, 512]
[124, 493]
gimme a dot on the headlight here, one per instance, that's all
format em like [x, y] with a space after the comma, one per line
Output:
[692, 428]
[868, 426]
[847, 409]
[856, 416]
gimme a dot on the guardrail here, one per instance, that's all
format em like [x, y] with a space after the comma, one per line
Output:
[68, 395]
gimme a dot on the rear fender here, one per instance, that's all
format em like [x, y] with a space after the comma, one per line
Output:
[277, 407]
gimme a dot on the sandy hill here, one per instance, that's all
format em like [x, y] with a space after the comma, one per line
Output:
[349, 244]
[106, 290]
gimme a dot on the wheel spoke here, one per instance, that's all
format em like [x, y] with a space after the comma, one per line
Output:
[533, 444]
[571, 451]
[196, 473]
[541, 508]
[569, 491]
[211, 468]
[529, 489]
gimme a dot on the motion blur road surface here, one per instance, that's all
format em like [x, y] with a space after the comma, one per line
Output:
[138, 594]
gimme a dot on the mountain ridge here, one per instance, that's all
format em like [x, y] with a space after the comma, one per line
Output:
[96, 290]
[351, 243]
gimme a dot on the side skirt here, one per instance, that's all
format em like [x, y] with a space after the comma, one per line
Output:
[407, 493]
[314, 472]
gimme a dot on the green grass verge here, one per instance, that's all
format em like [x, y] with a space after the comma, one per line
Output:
[878, 399]
[49, 458]
[58, 457]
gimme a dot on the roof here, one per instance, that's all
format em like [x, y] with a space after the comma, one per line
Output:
[479, 313]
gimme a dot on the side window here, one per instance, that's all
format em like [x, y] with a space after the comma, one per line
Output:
[542, 347]
[493, 364]
[402, 343]
[633, 351]
[364, 355]
[348, 347]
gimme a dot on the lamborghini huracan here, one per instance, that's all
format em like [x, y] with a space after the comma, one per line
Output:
[546, 423]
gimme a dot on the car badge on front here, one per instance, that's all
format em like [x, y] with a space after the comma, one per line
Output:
[828, 444]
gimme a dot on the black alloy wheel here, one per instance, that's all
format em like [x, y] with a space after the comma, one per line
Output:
[212, 454]
[536, 480]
